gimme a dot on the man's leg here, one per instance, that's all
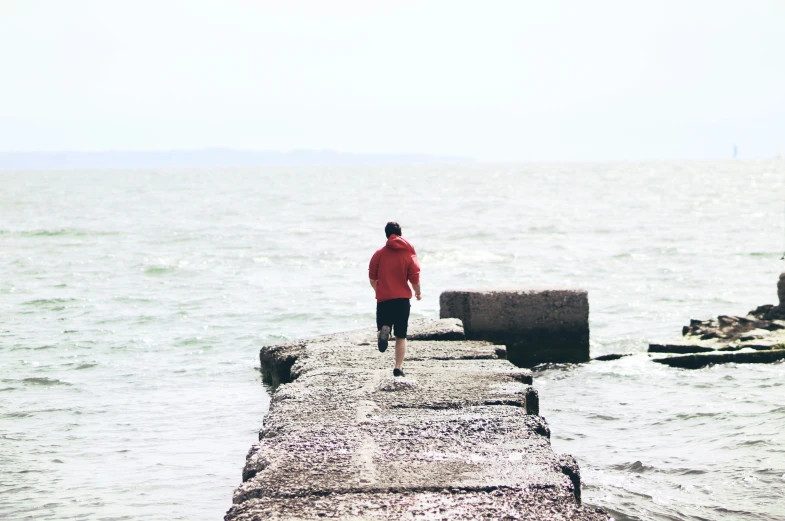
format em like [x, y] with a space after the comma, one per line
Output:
[383, 326]
[401, 329]
[400, 352]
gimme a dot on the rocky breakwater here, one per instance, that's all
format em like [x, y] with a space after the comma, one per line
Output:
[458, 438]
[758, 337]
[537, 325]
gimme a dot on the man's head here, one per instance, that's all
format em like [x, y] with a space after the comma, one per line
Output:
[392, 228]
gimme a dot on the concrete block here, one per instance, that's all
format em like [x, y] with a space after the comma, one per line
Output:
[536, 325]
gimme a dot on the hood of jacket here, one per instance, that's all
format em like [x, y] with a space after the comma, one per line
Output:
[396, 242]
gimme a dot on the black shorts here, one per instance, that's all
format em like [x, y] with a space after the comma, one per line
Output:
[394, 313]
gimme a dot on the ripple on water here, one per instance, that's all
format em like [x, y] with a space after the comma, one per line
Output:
[636, 467]
[159, 271]
[687, 472]
[43, 302]
[59, 232]
[44, 381]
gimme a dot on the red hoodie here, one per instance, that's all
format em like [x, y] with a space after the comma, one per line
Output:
[393, 265]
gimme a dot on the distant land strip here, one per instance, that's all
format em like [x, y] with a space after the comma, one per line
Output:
[206, 158]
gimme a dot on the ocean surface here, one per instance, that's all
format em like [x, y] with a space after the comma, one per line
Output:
[133, 305]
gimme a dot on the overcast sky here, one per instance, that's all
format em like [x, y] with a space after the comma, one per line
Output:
[497, 80]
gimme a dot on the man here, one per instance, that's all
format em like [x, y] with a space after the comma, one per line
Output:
[392, 268]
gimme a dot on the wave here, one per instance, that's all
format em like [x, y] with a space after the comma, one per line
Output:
[47, 301]
[691, 415]
[753, 443]
[159, 270]
[62, 232]
[17, 414]
[636, 466]
[687, 472]
[602, 417]
[461, 257]
[26, 348]
[44, 381]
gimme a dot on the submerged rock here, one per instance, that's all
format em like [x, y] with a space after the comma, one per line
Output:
[613, 356]
[678, 348]
[703, 360]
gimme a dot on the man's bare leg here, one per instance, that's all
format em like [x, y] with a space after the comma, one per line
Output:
[400, 352]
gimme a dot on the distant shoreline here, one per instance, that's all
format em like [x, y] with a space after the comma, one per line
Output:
[207, 158]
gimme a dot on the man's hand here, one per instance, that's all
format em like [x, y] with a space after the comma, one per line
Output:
[418, 296]
[417, 293]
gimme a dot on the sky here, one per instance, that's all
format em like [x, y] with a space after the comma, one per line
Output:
[497, 80]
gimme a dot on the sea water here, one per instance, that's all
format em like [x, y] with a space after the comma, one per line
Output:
[133, 305]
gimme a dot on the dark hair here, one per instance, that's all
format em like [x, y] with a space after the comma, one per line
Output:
[392, 228]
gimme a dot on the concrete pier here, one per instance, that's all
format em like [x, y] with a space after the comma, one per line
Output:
[458, 438]
[536, 325]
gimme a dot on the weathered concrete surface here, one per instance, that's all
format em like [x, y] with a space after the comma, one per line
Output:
[345, 439]
[451, 504]
[537, 326]
[444, 329]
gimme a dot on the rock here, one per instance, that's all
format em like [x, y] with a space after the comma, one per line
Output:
[762, 311]
[678, 348]
[770, 312]
[607, 358]
[703, 360]
[277, 361]
[761, 330]
[570, 468]
[763, 345]
[537, 326]
[757, 345]
[774, 325]
[727, 321]
[731, 328]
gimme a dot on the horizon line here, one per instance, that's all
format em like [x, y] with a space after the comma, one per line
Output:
[227, 157]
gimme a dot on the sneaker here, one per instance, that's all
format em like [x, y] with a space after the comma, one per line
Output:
[398, 372]
[384, 336]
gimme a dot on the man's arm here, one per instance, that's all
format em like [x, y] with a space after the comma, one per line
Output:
[373, 270]
[413, 274]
